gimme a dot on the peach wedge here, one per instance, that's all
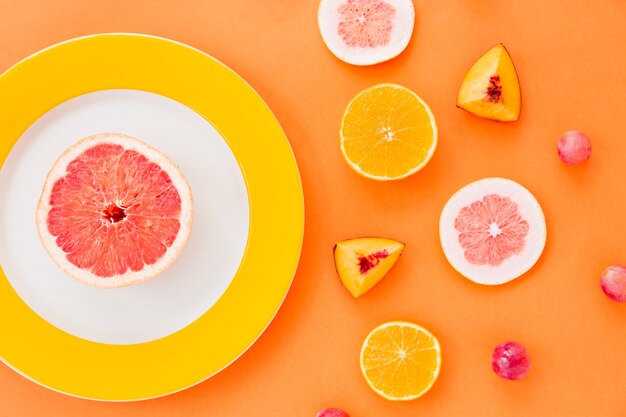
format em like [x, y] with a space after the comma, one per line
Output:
[491, 88]
[362, 262]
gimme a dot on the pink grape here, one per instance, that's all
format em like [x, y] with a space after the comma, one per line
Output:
[332, 412]
[574, 147]
[510, 360]
[613, 282]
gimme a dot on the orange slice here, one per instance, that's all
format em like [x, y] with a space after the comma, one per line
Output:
[400, 361]
[388, 132]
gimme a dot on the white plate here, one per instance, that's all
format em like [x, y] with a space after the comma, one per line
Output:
[168, 302]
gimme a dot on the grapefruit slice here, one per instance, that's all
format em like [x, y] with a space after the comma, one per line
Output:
[491, 88]
[361, 263]
[114, 211]
[492, 231]
[400, 360]
[366, 32]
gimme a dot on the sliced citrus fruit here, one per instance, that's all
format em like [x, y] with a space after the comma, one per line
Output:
[366, 32]
[492, 231]
[400, 360]
[362, 262]
[388, 132]
[114, 211]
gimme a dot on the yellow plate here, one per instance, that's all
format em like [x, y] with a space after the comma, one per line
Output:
[99, 371]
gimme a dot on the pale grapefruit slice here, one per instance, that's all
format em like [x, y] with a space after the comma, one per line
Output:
[492, 231]
[114, 211]
[366, 32]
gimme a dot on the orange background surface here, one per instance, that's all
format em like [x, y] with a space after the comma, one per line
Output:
[571, 59]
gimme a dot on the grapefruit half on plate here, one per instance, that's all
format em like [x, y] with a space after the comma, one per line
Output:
[114, 211]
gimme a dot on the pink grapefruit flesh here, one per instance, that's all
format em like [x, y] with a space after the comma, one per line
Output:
[366, 32]
[114, 211]
[366, 23]
[492, 231]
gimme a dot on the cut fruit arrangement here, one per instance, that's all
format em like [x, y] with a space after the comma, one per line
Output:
[491, 231]
[114, 211]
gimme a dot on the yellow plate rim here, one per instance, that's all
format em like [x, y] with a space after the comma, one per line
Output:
[56, 74]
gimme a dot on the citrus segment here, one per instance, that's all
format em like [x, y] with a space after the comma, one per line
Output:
[388, 132]
[400, 360]
[114, 211]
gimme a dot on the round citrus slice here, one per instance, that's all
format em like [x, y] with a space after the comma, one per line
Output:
[366, 32]
[400, 361]
[114, 211]
[388, 132]
[492, 231]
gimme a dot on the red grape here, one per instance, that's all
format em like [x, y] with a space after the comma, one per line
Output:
[613, 282]
[574, 147]
[510, 360]
[332, 412]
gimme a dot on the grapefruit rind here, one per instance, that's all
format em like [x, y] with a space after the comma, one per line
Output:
[515, 265]
[402, 22]
[436, 347]
[130, 277]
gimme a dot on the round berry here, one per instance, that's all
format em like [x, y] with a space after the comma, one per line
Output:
[332, 412]
[613, 282]
[574, 147]
[510, 360]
